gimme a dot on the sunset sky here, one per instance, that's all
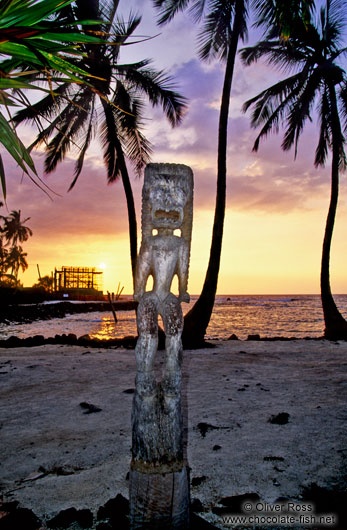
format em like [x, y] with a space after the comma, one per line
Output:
[276, 206]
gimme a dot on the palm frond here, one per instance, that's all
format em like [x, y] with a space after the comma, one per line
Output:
[301, 111]
[169, 8]
[197, 9]
[275, 96]
[275, 53]
[335, 19]
[71, 124]
[272, 116]
[214, 37]
[123, 30]
[65, 115]
[343, 103]
[88, 137]
[159, 88]
[282, 17]
[46, 107]
[108, 11]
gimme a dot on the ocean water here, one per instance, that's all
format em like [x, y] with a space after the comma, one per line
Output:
[269, 316]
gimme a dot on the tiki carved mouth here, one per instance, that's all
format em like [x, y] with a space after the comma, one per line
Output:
[173, 215]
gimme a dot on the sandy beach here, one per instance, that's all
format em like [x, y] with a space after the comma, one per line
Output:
[265, 418]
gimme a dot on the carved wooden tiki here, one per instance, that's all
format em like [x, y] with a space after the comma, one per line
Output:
[159, 485]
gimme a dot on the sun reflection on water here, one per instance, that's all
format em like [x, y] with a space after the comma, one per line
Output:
[297, 316]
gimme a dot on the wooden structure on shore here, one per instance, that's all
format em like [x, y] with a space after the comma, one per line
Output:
[78, 280]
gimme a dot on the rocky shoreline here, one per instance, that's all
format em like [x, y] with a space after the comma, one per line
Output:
[69, 339]
[128, 342]
[27, 313]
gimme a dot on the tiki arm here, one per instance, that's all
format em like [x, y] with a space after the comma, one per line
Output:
[143, 270]
[182, 271]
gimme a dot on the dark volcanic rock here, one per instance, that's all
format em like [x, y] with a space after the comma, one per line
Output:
[71, 339]
[196, 505]
[279, 419]
[253, 337]
[68, 517]
[89, 408]
[198, 523]
[328, 501]
[196, 481]
[205, 427]
[114, 514]
[14, 517]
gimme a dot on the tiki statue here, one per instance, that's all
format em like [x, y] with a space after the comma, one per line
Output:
[158, 467]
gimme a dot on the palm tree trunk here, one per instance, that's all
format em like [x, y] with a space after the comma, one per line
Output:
[128, 196]
[335, 324]
[130, 207]
[197, 319]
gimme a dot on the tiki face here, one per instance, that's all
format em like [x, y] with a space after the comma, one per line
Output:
[167, 197]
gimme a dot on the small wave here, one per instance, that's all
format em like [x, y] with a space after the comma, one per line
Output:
[254, 301]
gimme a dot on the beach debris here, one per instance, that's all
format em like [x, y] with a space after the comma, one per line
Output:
[233, 337]
[196, 481]
[55, 470]
[112, 307]
[216, 447]
[129, 391]
[279, 419]
[205, 427]
[90, 408]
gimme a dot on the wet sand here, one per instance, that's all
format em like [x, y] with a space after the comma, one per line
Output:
[262, 417]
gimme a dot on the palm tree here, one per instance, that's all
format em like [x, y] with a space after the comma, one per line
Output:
[14, 229]
[17, 260]
[318, 81]
[12, 257]
[31, 41]
[3, 258]
[46, 283]
[119, 88]
[224, 25]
